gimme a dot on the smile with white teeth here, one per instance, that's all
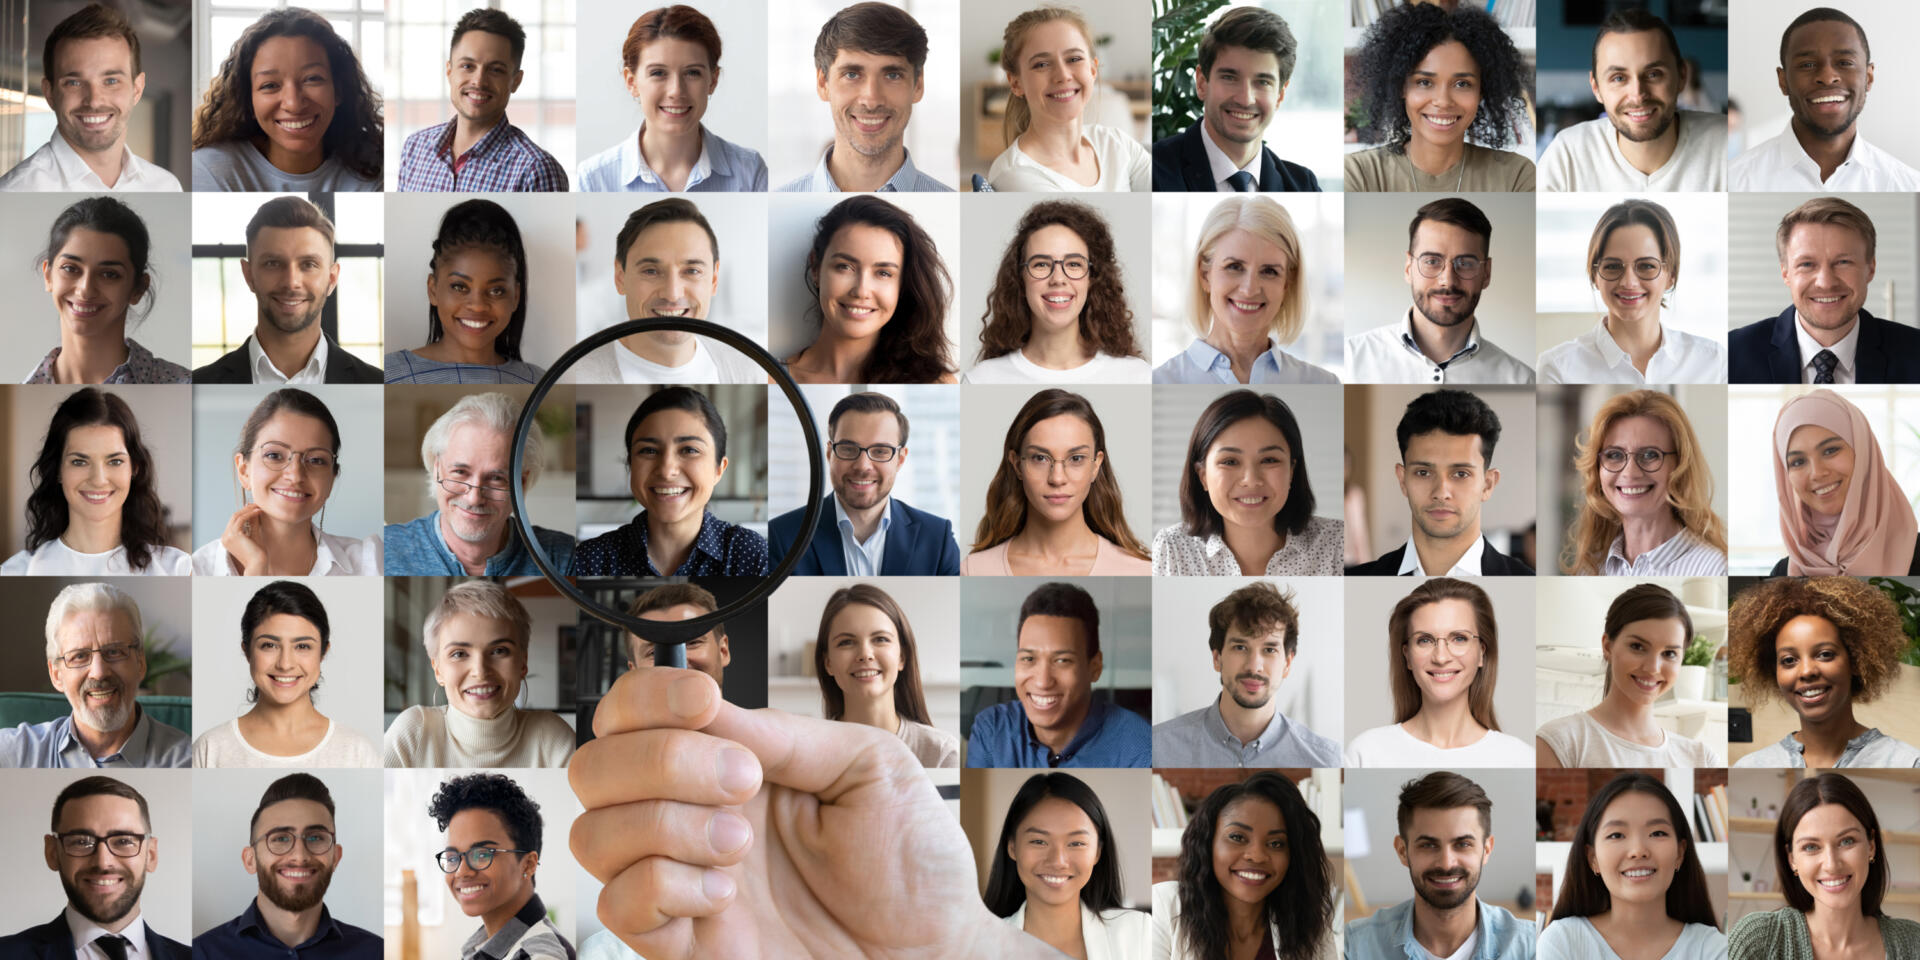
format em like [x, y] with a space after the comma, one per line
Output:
[1062, 96]
[857, 313]
[478, 96]
[280, 681]
[1444, 123]
[1637, 873]
[1243, 115]
[294, 495]
[93, 119]
[665, 311]
[104, 882]
[1443, 676]
[83, 309]
[483, 692]
[1836, 883]
[670, 491]
[472, 324]
[1058, 299]
[1246, 306]
[469, 891]
[1249, 501]
[866, 673]
[1043, 703]
[675, 111]
[1826, 490]
[870, 124]
[1053, 880]
[1830, 98]
[296, 873]
[290, 303]
[1634, 491]
[1825, 299]
[1813, 694]
[1648, 685]
[862, 484]
[1252, 876]
[96, 497]
[1638, 114]
[1630, 298]
[296, 124]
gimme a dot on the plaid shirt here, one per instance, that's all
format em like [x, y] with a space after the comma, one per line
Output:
[506, 159]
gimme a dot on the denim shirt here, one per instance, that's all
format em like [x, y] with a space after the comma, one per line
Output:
[1110, 736]
[1388, 935]
[415, 548]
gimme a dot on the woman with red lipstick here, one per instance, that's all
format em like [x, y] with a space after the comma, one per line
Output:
[1832, 863]
[476, 303]
[1056, 873]
[1841, 510]
[869, 671]
[882, 294]
[1647, 495]
[1058, 310]
[1821, 644]
[96, 267]
[1048, 55]
[1254, 879]
[1634, 885]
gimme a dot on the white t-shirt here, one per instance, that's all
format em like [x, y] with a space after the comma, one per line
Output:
[1016, 368]
[1125, 165]
[1574, 938]
[1393, 746]
[1587, 157]
[1465, 951]
[711, 363]
[341, 746]
[1579, 740]
[55, 559]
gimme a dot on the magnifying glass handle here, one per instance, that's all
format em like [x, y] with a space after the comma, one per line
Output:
[670, 655]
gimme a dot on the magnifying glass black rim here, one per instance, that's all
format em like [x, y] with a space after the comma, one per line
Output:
[671, 632]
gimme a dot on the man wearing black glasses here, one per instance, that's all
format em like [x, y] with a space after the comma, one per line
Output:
[863, 531]
[103, 848]
[291, 849]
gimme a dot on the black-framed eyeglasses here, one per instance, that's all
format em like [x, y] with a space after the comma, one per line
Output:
[488, 491]
[479, 858]
[877, 452]
[1041, 268]
[1465, 266]
[80, 843]
[280, 842]
[82, 659]
[1458, 641]
[1646, 268]
[1650, 459]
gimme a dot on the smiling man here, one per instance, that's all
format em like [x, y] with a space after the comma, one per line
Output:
[478, 150]
[291, 270]
[293, 850]
[1055, 720]
[1246, 62]
[1826, 247]
[1254, 634]
[869, 63]
[92, 81]
[95, 658]
[1644, 141]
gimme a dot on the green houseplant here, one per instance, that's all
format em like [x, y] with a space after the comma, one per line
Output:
[1177, 27]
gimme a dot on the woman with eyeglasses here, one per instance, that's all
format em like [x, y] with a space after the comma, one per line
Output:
[1443, 657]
[1633, 261]
[481, 813]
[869, 671]
[286, 464]
[284, 636]
[1841, 510]
[1646, 495]
[1058, 310]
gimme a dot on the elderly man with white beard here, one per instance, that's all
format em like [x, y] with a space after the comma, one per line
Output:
[94, 656]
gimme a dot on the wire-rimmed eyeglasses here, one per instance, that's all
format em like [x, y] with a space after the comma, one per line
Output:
[1458, 641]
[1465, 266]
[1650, 459]
[82, 659]
[488, 491]
[1646, 268]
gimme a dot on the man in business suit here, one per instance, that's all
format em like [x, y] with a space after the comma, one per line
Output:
[291, 270]
[1246, 60]
[862, 530]
[1446, 472]
[1826, 248]
[103, 847]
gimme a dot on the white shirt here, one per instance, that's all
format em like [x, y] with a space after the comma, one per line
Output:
[1466, 948]
[1782, 164]
[1467, 566]
[85, 931]
[1578, 740]
[55, 559]
[1844, 351]
[712, 363]
[1114, 935]
[1393, 746]
[1593, 357]
[1586, 156]
[58, 168]
[1683, 555]
[1016, 368]
[1316, 551]
[1574, 938]
[265, 372]
[1125, 165]
[862, 559]
[333, 556]
[340, 746]
[1389, 354]
[1223, 167]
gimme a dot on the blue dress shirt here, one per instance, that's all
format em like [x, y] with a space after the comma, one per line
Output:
[53, 744]
[1110, 737]
[863, 559]
[907, 179]
[416, 549]
[719, 549]
[246, 937]
[1201, 363]
[1388, 935]
[722, 167]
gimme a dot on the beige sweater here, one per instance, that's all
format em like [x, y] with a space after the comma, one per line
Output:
[439, 737]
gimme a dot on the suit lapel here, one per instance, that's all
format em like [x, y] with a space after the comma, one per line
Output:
[1194, 167]
[826, 542]
[900, 540]
[1869, 354]
[1269, 170]
[1784, 361]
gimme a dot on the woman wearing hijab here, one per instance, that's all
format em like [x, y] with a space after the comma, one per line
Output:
[1841, 512]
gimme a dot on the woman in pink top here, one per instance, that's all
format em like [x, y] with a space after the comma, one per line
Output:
[1053, 508]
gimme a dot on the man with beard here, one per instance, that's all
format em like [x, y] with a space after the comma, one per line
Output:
[291, 270]
[869, 62]
[94, 656]
[1825, 72]
[468, 453]
[1448, 267]
[479, 149]
[1254, 634]
[92, 81]
[1645, 141]
[862, 530]
[1446, 836]
[293, 852]
[103, 847]
[1246, 62]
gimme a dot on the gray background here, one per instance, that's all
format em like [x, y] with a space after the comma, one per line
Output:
[990, 409]
[1184, 679]
[219, 413]
[224, 802]
[737, 109]
[1370, 601]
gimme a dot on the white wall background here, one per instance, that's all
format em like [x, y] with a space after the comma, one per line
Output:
[1375, 796]
[1125, 794]
[32, 892]
[1569, 304]
[1752, 82]
[791, 220]
[220, 411]
[160, 409]
[988, 412]
[1512, 505]
[932, 605]
[1185, 680]
[1370, 662]
[738, 219]
[928, 478]
[1177, 410]
[737, 110]
[1756, 290]
[222, 806]
[990, 607]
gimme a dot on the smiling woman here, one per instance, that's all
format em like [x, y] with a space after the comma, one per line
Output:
[1050, 64]
[1841, 510]
[477, 303]
[1056, 872]
[869, 670]
[1647, 494]
[95, 266]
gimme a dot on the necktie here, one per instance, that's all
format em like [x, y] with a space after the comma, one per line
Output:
[1242, 181]
[113, 945]
[1823, 364]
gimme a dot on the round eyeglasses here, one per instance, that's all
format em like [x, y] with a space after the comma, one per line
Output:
[479, 858]
[1457, 641]
[280, 842]
[1465, 266]
[1041, 268]
[1646, 268]
[1650, 459]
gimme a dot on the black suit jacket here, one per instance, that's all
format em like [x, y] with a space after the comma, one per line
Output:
[1493, 563]
[342, 367]
[54, 941]
[1180, 165]
[1769, 352]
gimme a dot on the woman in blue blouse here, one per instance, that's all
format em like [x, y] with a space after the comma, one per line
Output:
[676, 453]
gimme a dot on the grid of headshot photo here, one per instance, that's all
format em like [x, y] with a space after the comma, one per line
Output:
[907, 528]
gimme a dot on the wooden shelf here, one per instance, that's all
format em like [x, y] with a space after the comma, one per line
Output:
[1761, 825]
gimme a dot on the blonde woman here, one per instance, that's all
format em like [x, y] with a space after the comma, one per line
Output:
[1648, 495]
[1249, 299]
[1048, 56]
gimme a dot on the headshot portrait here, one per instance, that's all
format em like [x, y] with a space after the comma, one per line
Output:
[297, 689]
[491, 60]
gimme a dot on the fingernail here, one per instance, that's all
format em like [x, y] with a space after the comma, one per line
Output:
[738, 770]
[686, 697]
[727, 832]
[717, 885]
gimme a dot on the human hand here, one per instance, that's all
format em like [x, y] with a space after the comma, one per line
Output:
[723, 832]
[246, 550]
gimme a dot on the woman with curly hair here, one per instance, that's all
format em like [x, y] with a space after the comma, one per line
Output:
[1429, 76]
[289, 112]
[93, 510]
[482, 813]
[1254, 879]
[1647, 495]
[1821, 644]
[1053, 506]
[882, 293]
[1058, 310]
[1056, 872]
[1841, 510]
[1052, 145]
[476, 303]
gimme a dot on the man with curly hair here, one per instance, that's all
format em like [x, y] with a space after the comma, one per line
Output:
[493, 850]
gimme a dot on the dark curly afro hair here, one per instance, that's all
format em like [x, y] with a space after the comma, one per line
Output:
[1403, 36]
[495, 792]
[1866, 619]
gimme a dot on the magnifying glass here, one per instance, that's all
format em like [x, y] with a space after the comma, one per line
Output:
[669, 637]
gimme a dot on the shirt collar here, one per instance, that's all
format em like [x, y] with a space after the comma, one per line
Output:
[634, 169]
[250, 921]
[259, 363]
[75, 169]
[904, 179]
[1486, 944]
[1844, 351]
[709, 541]
[504, 560]
[1471, 347]
[845, 523]
[500, 133]
[501, 943]
[1089, 728]
[1797, 154]
[1618, 548]
[85, 931]
[136, 746]
[1215, 725]
[137, 355]
[1798, 750]
[1469, 562]
[1207, 357]
[1220, 164]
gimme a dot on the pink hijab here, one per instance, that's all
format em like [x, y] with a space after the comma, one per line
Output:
[1874, 533]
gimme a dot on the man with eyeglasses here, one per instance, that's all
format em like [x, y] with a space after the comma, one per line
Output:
[863, 531]
[468, 454]
[293, 851]
[1448, 267]
[94, 656]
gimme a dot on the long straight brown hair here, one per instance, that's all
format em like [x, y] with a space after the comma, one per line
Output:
[908, 700]
[1406, 693]
[1006, 513]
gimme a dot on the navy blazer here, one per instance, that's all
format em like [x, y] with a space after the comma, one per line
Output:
[1180, 165]
[54, 941]
[918, 544]
[342, 367]
[1769, 352]
[1493, 563]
